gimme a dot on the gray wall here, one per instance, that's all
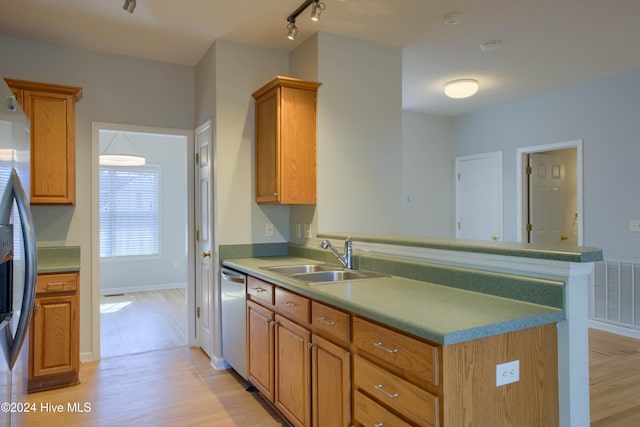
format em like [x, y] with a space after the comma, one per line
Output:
[116, 89]
[605, 113]
[169, 268]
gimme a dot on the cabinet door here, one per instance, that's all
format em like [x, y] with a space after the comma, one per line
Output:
[331, 384]
[55, 344]
[293, 372]
[260, 368]
[267, 148]
[53, 162]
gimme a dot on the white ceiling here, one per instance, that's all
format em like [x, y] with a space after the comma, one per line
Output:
[546, 44]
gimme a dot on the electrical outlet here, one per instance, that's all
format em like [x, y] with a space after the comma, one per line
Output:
[507, 373]
[634, 225]
[268, 229]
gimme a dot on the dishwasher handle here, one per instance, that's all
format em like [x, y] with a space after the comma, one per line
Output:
[232, 276]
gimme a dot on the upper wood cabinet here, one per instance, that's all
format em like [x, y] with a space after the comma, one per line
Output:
[52, 112]
[286, 141]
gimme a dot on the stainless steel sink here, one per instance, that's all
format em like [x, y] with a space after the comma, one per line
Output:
[290, 270]
[320, 277]
[316, 274]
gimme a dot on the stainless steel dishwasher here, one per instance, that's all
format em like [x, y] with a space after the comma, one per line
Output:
[233, 293]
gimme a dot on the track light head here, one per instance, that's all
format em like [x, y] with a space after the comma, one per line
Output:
[129, 5]
[316, 10]
[292, 30]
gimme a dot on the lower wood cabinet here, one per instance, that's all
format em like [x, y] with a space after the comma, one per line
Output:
[323, 367]
[305, 376]
[54, 345]
[293, 371]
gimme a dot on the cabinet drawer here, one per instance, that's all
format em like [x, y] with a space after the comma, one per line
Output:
[328, 321]
[368, 413]
[294, 306]
[413, 357]
[66, 282]
[418, 405]
[260, 290]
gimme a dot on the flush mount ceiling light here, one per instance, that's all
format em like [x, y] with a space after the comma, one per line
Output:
[461, 88]
[317, 9]
[129, 5]
[452, 18]
[121, 152]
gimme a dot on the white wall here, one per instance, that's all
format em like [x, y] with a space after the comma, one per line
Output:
[359, 136]
[605, 114]
[236, 72]
[427, 176]
[169, 268]
[116, 89]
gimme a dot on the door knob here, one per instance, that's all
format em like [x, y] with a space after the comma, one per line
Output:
[564, 237]
[206, 254]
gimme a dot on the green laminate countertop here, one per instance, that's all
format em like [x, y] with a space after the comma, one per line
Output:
[523, 250]
[438, 313]
[58, 259]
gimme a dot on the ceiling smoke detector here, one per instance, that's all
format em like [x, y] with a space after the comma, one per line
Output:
[452, 18]
[491, 45]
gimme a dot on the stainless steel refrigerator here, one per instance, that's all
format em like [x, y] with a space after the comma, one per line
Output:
[18, 256]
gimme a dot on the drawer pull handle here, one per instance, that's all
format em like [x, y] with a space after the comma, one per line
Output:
[52, 285]
[378, 425]
[386, 393]
[260, 290]
[381, 347]
[288, 304]
[325, 321]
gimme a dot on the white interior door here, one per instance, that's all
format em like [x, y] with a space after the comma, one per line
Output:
[552, 208]
[204, 247]
[479, 197]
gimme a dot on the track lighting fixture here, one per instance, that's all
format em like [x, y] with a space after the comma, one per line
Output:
[292, 30]
[129, 5]
[317, 9]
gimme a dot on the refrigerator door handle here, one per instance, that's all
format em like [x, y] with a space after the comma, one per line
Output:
[15, 190]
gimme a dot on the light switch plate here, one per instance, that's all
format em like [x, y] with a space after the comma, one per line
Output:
[268, 229]
[634, 225]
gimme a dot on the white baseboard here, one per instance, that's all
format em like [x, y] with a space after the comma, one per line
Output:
[143, 288]
[219, 364]
[87, 357]
[615, 329]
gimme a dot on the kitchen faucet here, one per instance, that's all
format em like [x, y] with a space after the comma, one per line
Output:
[347, 258]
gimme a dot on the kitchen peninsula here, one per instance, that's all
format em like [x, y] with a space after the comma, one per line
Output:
[476, 305]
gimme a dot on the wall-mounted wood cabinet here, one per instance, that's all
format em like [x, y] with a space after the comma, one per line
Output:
[51, 111]
[54, 337]
[286, 141]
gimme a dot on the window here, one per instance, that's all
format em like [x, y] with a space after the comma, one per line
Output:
[129, 211]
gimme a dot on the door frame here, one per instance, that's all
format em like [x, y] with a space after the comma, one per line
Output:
[95, 228]
[522, 202]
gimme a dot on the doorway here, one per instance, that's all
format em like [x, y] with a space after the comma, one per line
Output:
[142, 269]
[550, 208]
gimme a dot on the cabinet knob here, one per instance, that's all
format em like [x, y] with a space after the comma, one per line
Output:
[564, 237]
[275, 194]
[206, 254]
[37, 306]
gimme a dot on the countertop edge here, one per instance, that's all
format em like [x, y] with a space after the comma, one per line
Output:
[579, 254]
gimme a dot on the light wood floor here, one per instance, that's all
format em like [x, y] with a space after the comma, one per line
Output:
[614, 365]
[142, 321]
[174, 388]
[178, 387]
